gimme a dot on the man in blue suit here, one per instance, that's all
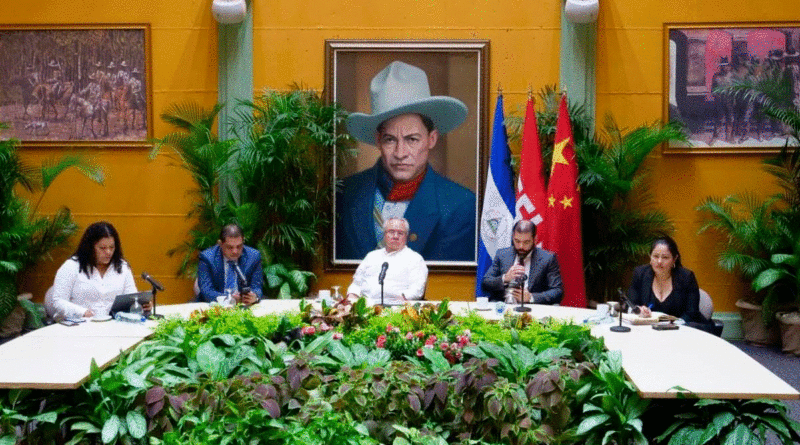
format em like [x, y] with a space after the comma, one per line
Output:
[230, 265]
[533, 270]
[405, 125]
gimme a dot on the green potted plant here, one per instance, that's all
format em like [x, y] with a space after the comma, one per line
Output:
[781, 282]
[26, 237]
[278, 174]
[756, 229]
[750, 235]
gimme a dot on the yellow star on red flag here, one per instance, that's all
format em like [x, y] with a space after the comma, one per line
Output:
[558, 152]
[551, 201]
[566, 202]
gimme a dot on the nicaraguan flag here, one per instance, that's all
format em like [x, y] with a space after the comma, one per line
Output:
[497, 216]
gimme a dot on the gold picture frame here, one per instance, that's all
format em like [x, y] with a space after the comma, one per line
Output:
[455, 68]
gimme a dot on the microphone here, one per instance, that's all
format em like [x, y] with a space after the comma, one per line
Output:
[152, 281]
[382, 275]
[245, 288]
[624, 297]
[520, 281]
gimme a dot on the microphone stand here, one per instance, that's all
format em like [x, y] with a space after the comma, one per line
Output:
[522, 307]
[153, 314]
[621, 328]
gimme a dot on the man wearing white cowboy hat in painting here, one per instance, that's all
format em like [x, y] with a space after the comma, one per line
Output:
[405, 124]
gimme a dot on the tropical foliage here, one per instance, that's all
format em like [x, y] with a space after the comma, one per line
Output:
[226, 376]
[699, 422]
[26, 236]
[762, 235]
[277, 172]
[619, 220]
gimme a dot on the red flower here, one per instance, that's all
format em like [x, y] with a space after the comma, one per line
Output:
[443, 346]
[431, 340]
[325, 327]
[338, 335]
[420, 334]
[409, 336]
[309, 330]
[381, 341]
[388, 328]
[419, 352]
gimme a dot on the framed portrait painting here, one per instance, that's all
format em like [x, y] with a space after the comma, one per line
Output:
[441, 207]
[76, 84]
[701, 60]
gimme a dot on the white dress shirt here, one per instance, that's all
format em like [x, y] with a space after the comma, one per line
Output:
[74, 293]
[406, 276]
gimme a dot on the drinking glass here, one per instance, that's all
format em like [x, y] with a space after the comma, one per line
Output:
[336, 295]
[229, 296]
[136, 307]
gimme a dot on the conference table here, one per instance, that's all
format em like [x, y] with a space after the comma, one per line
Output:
[660, 364]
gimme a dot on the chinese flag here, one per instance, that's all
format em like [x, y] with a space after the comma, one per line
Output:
[531, 191]
[563, 213]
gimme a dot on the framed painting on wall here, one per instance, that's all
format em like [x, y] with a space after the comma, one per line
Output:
[442, 209]
[76, 84]
[701, 59]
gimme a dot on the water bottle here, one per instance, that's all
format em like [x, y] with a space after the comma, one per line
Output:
[128, 317]
[136, 307]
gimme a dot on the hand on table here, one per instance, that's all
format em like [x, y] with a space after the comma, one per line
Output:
[88, 313]
[247, 299]
[645, 312]
[520, 295]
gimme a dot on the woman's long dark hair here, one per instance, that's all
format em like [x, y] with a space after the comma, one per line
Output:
[85, 251]
[672, 246]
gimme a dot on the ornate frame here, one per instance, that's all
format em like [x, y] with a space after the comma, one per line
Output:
[465, 66]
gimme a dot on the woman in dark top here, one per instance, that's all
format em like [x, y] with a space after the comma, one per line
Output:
[666, 286]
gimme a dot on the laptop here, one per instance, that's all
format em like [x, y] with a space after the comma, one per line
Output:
[122, 303]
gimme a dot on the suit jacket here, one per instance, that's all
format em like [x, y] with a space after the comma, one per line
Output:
[683, 301]
[441, 217]
[544, 281]
[211, 272]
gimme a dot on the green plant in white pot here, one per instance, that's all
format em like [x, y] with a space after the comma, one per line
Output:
[781, 282]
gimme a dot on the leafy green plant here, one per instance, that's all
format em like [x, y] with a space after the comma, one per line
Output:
[199, 151]
[25, 414]
[781, 279]
[610, 406]
[749, 228]
[279, 188]
[27, 237]
[288, 143]
[730, 422]
[757, 230]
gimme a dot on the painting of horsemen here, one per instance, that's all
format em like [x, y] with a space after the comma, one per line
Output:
[76, 84]
[710, 73]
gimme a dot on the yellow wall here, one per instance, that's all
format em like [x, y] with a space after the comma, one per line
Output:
[147, 199]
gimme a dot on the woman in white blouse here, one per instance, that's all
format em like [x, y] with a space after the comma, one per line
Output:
[87, 283]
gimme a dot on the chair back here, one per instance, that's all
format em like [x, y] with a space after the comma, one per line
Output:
[706, 305]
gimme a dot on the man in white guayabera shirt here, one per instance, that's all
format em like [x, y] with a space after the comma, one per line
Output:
[404, 270]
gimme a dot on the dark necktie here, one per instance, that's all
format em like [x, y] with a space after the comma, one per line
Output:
[230, 277]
